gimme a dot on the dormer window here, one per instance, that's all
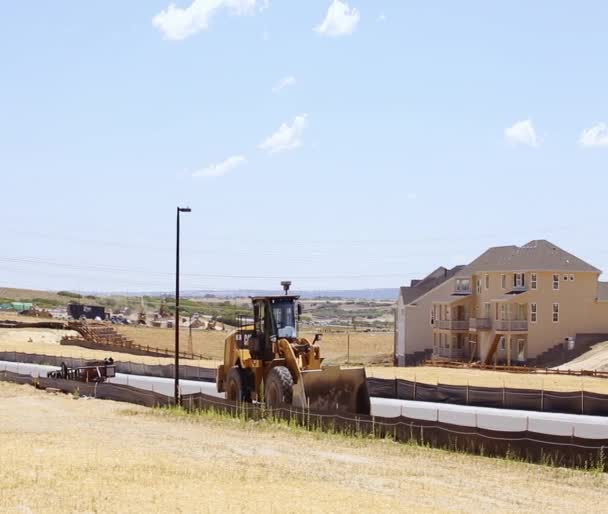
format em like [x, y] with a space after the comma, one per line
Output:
[463, 285]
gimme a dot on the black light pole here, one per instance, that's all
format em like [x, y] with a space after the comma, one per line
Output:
[177, 399]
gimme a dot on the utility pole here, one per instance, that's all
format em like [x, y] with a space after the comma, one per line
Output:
[177, 398]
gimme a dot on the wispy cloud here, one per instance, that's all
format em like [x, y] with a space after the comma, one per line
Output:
[178, 23]
[220, 169]
[596, 136]
[522, 133]
[340, 20]
[283, 83]
[288, 137]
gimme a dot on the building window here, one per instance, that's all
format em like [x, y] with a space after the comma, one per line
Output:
[478, 286]
[433, 316]
[533, 281]
[518, 280]
[503, 281]
[556, 282]
[521, 349]
[533, 313]
[497, 312]
[565, 278]
[503, 344]
[487, 279]
[503, 311]
[556, 313]
[571, 278]
[463, 285]
[487, 310]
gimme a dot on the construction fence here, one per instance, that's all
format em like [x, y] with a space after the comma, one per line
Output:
[575, 402]
[131, 368]
[527, 446]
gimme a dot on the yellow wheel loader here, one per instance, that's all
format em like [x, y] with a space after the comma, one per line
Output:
[266, 361]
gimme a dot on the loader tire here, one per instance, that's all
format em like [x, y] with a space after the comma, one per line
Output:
[238, 385]
[278, 389]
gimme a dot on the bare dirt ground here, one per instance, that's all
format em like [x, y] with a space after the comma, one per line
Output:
[489, 378]
[58, 454]
[367, 348]
[596, 358]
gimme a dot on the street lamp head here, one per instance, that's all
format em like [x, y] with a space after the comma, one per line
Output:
[184, 209]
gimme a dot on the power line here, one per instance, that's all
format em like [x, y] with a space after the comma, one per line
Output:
[115, 269]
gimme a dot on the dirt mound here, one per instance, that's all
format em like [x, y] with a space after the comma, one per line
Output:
[594, 359]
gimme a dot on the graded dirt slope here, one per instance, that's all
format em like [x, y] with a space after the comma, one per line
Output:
[594, 359]
[58, 454]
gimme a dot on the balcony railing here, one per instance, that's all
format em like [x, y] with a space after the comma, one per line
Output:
[511, 325]
[449, 353]
[452, 324]
[480, 323]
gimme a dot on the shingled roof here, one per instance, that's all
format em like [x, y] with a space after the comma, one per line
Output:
[540, 255]
[417, 288]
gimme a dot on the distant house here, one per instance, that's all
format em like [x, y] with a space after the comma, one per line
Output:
[509, 305]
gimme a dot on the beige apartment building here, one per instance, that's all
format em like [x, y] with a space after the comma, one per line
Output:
[510, 305]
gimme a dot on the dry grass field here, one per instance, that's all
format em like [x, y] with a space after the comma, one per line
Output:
[365, 347]
[59, 454]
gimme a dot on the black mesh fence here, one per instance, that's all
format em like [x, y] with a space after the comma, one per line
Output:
[524, 445]
[133, 368]
[575, 402]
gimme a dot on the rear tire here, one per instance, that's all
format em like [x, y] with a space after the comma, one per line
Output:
[278, 388]
[238, 385]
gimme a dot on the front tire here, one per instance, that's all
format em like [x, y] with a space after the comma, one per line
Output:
[278, 388]
[237, 385]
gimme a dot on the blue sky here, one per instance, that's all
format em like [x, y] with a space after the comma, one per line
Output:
[341, 144]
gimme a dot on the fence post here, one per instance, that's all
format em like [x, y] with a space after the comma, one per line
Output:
[542, 397]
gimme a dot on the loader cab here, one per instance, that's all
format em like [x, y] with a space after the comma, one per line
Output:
[275, 317]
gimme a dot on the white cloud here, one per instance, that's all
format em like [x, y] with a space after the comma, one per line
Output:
[283, 83]
[220, 169]
[179, 23]
[594, 136]
[381, 17]
[287, 137]
[523, 133]
[340, 20]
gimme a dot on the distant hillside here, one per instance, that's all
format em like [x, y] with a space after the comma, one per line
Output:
[385, 294]
[351, 294]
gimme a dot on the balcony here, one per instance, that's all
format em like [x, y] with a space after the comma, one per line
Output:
[480, 324]
[511, 325]
[448, 353]
[452, 324]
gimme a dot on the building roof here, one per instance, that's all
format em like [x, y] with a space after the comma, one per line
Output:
[536, 255]
[417, 288]
[602, 291]
[511, 295]
[452, 298]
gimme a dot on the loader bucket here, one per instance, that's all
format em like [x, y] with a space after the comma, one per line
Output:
[333, 389]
